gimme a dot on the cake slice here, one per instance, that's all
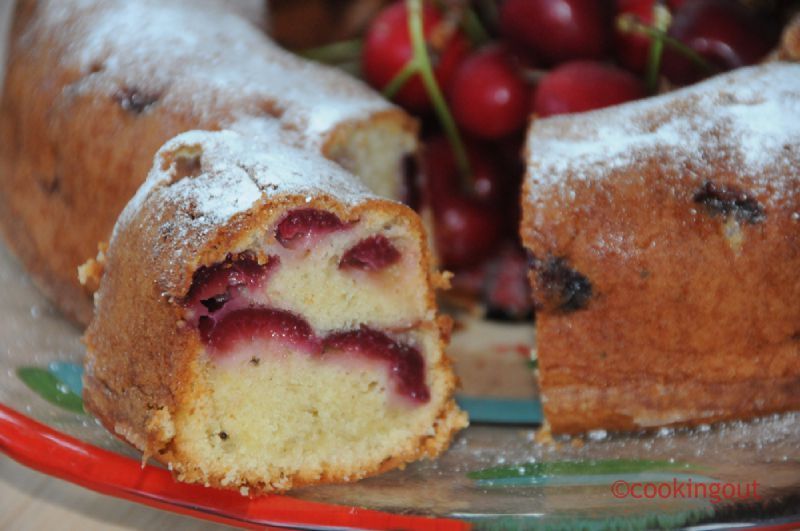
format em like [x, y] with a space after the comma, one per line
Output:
[265, 322]
[665, 248]
[95, 87]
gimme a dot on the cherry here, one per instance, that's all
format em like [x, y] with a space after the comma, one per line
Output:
[632, 49]
[406, 364]
[585, 85]
[370, 254]
[214, 286]
[558, 30]
[467, 223]
[723, 32]
[466, 230]
[507, 291]
[387, 49]
[300, 226]
[488, 97]
[441, 172]
[251, 324]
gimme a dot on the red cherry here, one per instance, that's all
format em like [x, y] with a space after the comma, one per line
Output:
[724, 32]
[387, 49]
[249, 324]
[489, 99]
[441, 172]
[585, 85]
[405, 363]
[633, 48]
[507, 291]
[370, 254]
[300, 227]
[558, 30]
[674, 5]
[216, 285]
[466, 229]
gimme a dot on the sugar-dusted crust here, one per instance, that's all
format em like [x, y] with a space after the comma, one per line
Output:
[93, 88]
[141, 355]
[665, 237]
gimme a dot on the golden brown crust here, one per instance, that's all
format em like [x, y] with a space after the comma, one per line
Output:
[657, 306]
[73, 152]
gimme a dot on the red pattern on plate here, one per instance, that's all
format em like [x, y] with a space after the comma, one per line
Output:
[39, 447]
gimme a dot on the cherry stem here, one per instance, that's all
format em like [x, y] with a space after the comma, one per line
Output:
[474, 28]
[393, 87]
[423, 66]
[662, 20]
[337, 52]
[630, 24]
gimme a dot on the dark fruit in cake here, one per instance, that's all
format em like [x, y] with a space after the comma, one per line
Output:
[558, 30]
[387, 49]
[213, 286]
[559, 286]
[488, 97]
[723, 32]
[251, 324]
[300, 226]
[370, 254]
[583, 86]
[730, 200]
[405, 363]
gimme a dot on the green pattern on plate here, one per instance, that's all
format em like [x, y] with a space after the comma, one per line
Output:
[501, 410]
[48, 386]
[582, 467]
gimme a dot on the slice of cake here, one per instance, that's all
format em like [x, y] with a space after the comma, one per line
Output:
[95, 87]
[665, 249]
[265, 322]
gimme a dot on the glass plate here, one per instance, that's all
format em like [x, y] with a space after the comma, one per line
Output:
[496, 475]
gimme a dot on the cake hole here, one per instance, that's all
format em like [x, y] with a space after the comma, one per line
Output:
[271, 108]
[134, 100]
[223, 435]
[50, 186]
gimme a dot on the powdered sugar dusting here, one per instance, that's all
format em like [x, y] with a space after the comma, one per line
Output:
[747, 120]
[211, 62]
[236, 172]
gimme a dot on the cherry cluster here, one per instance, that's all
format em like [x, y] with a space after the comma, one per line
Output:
[476, 72]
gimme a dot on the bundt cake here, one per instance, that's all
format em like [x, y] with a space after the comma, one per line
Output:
[94, 87]
[665, 244]
[264, 322]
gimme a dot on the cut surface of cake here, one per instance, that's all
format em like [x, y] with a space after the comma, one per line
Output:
[95, 87]
[665, 244]
[265, 322]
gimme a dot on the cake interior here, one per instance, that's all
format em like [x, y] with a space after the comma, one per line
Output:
[318, 353]
[381, 153]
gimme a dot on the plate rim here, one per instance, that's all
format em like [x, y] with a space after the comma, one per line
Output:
[42, 448]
